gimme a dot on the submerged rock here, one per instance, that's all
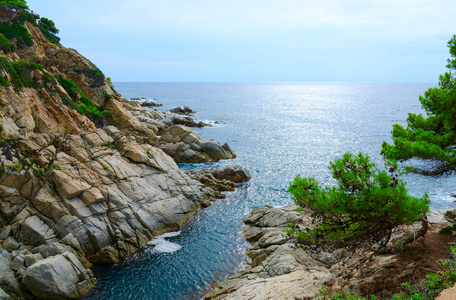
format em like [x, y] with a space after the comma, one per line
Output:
[150, 103]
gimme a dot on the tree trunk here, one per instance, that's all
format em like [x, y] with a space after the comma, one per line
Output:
[411, 238]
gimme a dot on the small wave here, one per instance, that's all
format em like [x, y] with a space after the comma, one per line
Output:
[164, 246]
[214, 123]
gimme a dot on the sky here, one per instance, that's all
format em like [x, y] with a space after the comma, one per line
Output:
[258, 40]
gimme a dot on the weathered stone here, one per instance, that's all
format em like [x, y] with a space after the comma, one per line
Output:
[3, 295]
[183, 110]
[448, 294]
[58, 277]
[17, 263]
[177, 140]
[450, 216]
[5, 232]
[46, 156]
[10, 244]
[34, 231]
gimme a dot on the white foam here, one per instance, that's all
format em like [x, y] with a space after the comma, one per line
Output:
[214, 123]
[164, 246]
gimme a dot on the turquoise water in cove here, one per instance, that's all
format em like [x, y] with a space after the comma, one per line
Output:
[278, 130]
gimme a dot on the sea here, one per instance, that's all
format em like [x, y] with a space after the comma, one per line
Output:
[278, 130]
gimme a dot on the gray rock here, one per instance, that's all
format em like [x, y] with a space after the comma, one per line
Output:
[450, 216]
[29, 259]
[177, 139]
[10, 244]
[17, 263]
[8, 282]
[35, 232]
[3, 295]
[58, 277]
[5, 233]
[183, 110]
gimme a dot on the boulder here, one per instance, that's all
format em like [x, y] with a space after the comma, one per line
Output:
[10, 244]
[185, 146]
[148, 103]
[450, 215]
[183, 110]
[3, 295]
[221, 180]
[189, 122]
[58, 277]
[5, 232]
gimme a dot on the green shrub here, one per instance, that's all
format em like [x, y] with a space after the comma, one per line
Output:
[20, 73]
[14, 29]
[446, 229]
[106, 96]
[111, 85]
[26, 16]
[361, 210]
[95, 74]
[48, 25]
[54, 166]
[6, 45]
[52, 38]
[87, 107]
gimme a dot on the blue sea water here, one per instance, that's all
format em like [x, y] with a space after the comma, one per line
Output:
[278, 130]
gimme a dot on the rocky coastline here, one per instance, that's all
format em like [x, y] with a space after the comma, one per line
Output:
[78, 189]
[279, 268]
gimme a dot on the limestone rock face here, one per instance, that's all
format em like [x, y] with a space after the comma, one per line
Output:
[58, 277]
[184, 145]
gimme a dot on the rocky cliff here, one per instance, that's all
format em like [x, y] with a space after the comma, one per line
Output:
[83, 175]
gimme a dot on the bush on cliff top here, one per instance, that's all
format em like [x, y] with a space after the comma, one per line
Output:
[361, 210]
[15, 30]
[433, 137]
[49, 31]
[14, 5]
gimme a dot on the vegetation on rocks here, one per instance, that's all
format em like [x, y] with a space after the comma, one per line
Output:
[95, 74]
[15, 30]
[84, 106]
[361, 210]
[20, 73]
[428, 289]
[49, 30]
[433, 137]
[14, 5]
